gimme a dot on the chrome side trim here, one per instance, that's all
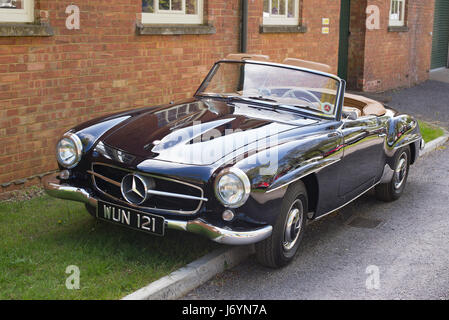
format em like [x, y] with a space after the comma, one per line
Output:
[332, 211]
[407, 143]
[53, 187]
[201, 198]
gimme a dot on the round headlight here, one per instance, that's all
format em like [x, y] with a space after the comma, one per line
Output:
[69, 150]
[232, 187]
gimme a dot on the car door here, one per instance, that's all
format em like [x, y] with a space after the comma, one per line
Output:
[362, 155]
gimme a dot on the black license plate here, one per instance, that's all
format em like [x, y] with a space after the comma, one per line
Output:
[131, 218]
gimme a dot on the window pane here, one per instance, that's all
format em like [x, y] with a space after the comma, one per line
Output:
[176, 5]
[275, 7]
[147, 6]
[164, 4]
[11, 4]
[291, 9]
[191, 7]
[282, 7]
[266, 6]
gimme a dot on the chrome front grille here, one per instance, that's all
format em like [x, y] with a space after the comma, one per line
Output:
[166, 196]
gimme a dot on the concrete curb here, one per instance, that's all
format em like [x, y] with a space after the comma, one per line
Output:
[182, 281]
[434, 144]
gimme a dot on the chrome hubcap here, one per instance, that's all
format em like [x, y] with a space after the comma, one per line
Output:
[401, 171]
[293, 225]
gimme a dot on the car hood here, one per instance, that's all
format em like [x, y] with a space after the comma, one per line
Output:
[200, 132]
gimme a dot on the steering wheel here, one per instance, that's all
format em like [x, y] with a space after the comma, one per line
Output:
[304, 94]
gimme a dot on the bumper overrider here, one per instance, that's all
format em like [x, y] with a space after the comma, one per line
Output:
[54, 188]
[422, 145]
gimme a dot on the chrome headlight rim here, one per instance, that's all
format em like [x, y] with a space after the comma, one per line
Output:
[78, 148]
[245, 183]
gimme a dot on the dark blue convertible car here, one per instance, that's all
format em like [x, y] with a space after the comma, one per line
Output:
[259, 150]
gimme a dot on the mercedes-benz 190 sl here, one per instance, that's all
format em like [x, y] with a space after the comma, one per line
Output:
[260, 150]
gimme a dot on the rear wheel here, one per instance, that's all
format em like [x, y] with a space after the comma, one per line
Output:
[280, 248]
[393, 190]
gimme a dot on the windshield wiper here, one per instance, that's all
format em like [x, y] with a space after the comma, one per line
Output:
[284, 106]
[237, 98]
[260, 98]
[300, 106]
[273, 104]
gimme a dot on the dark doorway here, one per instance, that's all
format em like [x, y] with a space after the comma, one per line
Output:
[440, 38]
[345, 14]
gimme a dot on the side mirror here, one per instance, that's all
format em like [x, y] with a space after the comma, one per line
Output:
[350, 115]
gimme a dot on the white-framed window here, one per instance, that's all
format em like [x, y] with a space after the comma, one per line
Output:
[397, 13]
[172, 11]
[16, 11]
[280, 12]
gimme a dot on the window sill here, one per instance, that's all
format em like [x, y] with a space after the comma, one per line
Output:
[397, 29]
[25, 30]
[282, 29]
[180, 29]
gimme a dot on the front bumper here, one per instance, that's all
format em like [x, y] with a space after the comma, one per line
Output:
[422, 145]
[54, 188]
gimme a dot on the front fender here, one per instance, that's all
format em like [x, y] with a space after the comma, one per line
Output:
[403, 130]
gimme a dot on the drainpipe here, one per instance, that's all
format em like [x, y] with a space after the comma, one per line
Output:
[244, 35]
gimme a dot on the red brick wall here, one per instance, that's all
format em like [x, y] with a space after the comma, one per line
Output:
[399, 59]
[312, 45]
[49, 84]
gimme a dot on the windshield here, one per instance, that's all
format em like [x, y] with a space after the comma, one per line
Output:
[275, 85]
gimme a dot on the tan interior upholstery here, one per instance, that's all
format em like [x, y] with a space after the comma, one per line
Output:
[308, 64]
[365, 105]
[247, 56]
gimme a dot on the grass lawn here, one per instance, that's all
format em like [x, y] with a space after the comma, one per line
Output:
[39, 238]
[429, 131]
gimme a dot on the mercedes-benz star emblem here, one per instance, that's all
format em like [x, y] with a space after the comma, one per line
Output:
[135, 188]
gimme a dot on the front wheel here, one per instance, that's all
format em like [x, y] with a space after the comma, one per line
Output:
[280, 248]
[393, 190]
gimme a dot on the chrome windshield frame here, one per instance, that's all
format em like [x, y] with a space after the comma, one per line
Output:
[340, 91]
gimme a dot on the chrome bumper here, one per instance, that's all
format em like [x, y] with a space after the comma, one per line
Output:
[53, 188]
[422, 145]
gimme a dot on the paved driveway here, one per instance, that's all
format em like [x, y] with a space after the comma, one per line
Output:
[409, 246]
[406, 241]
[428, 101]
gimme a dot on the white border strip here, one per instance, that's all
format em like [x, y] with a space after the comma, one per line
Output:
[182, 281]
